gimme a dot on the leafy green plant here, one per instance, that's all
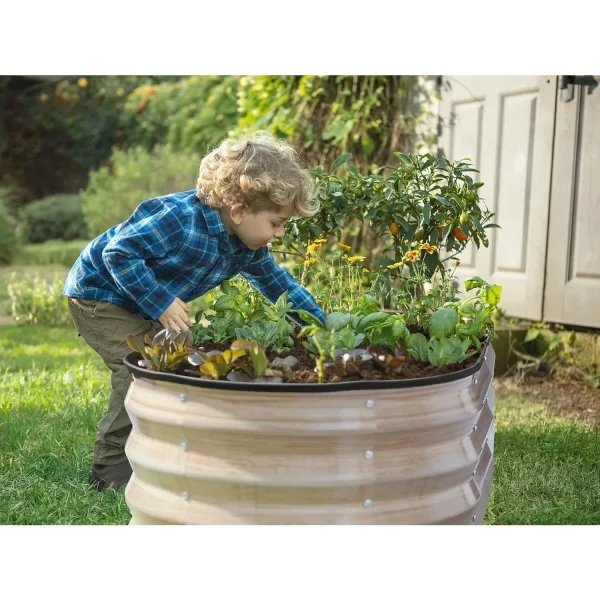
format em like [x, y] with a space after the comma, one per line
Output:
[36, 301]
[165, 351]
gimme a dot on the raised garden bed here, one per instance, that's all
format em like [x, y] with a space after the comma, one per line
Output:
[368, 452]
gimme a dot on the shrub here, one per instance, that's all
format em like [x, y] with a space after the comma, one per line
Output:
[52, 252]
[35, 301]
[57, 217]
[134, 176]
[194, 113]
[9, 237]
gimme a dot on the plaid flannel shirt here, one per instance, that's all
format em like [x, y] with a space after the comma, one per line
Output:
[175, 246]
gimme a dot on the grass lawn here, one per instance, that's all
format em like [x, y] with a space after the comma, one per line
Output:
[54, 389]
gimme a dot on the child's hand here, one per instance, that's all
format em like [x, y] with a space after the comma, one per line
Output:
[176, 317]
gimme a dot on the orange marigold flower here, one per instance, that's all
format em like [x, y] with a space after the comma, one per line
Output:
[345, 247]
[428, 248]
[313, 248]
[310, 261]
[411, 255]
[320, 240]
[356, 259]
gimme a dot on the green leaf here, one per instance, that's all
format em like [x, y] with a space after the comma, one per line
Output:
[339, 161]
[443, 322]
[493, 294]
[532, 334]
[418, 347]
[474, 282]
[228, 288]
[308, 317]
[403, 158]
[224, 302]
[337, 321]
[371, 319]
[426, 213]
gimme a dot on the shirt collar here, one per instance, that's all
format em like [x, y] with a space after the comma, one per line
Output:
[214, 223]
[216, 228]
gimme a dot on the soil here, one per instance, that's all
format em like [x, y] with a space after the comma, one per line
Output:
[570, 398]
[305, 371]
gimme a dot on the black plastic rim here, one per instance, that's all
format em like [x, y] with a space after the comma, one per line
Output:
[248, 386]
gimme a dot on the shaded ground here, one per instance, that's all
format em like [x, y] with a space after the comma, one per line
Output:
[571, 399]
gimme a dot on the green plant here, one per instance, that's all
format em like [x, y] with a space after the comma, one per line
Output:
[190, 114]
[165, 351]
[55, 217]
[35, 301]
[135, 175]
[241, 313]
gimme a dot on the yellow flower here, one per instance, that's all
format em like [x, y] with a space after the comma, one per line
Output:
[313, 248]
[395, 265]
[344, 247]
[43, 97]
[406, 242]
[82, 82]
[428, 248]
[310, 261]
[411, 255]
[355, 259]
[365, 270]
[120, 92]
[320, 240]
[457, 263]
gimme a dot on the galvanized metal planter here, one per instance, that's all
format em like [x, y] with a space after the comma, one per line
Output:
[388, 452]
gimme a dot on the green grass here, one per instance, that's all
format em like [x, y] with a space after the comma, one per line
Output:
[54, 390]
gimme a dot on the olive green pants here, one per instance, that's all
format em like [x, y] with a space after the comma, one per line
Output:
[104, 326]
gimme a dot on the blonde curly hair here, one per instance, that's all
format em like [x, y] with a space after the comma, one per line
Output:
[259, 171]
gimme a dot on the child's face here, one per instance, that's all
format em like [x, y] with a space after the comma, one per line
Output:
[257, 229]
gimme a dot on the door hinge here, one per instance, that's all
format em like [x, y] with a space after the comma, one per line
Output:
[567, 83]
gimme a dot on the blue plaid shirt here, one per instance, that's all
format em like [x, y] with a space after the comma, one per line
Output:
[174, 246]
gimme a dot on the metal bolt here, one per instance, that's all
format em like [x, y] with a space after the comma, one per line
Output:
[368, 503]
[369, 454]
[183, 446]
[474, 472]
[485, 357]
[473, 518]
[182, 397]
[369, 403]
[486, 400]
[474, 427]
[475, 380]
[185, 495]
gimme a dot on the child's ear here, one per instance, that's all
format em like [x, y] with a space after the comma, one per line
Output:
[237, 212]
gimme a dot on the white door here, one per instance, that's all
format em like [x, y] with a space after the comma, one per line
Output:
[505, 126]
[573, 274]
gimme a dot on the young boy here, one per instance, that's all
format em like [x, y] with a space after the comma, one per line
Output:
[136, 277]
